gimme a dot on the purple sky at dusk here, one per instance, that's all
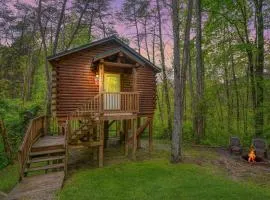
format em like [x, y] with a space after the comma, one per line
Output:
[122, 30]
[128, 32]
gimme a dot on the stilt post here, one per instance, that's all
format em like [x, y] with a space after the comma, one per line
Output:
[125, 127]
[150, 135]
[139, 137]
[101, 147]
[134, 135]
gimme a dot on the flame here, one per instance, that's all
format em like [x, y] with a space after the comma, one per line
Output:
[251, 155]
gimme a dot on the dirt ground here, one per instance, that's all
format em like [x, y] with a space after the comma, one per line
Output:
[218, 158]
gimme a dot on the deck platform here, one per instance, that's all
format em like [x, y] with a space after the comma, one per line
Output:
[48, 141]
[40, 187]
[118, 116]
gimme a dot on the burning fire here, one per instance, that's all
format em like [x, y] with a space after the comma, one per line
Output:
[251, 155]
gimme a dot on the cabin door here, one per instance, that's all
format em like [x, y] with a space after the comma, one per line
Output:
[112, 89]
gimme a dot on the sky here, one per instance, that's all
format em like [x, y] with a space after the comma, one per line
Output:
[122, 30]
[128, 33]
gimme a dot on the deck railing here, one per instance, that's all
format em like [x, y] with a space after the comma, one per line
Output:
[119, 102]
[103, 103]
[34, 131]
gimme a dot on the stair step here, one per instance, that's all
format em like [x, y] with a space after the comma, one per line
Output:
[44, 167]
[46, 152]
[49, 158]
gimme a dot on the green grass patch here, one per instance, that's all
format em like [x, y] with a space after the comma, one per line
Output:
[9, 176]
[157, 179]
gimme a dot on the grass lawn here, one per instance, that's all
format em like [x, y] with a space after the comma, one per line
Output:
[9, 176]
[157, 179]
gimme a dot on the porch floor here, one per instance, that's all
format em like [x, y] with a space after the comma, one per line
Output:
[40, 187]
[48, 141]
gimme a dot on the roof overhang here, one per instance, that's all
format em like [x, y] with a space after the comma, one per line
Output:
[128, 51]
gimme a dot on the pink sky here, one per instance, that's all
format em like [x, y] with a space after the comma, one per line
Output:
[127, 32]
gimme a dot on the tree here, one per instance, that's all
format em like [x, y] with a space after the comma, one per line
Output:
[42, 31]
[163, 67]
[176, 148]
[59, 24]
[199, 75]
[259, 116]
[132, 13]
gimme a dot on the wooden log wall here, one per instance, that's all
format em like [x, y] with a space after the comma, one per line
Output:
[146, 86]
[74, 81]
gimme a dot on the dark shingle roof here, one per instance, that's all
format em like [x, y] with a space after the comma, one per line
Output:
[124, 47]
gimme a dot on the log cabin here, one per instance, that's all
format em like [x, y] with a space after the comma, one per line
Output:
[95, 87]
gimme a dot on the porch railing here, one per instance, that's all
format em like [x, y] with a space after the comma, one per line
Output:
[103, 103]
[119, 102]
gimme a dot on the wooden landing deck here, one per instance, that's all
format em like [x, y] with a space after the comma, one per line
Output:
[40, 187]
[118, 116]
[48, 141]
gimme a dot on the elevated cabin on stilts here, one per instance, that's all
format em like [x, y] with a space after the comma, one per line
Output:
[94, 87]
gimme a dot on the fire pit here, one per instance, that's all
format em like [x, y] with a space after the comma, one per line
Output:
[252, 158]
[257, 159]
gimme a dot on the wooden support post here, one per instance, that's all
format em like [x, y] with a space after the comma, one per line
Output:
[125, 127]
[134, 73]
[101, 85]
[150, 135]
[101, 147]
[134, 135]
[106, 132]
[118, 127]
[139, 145]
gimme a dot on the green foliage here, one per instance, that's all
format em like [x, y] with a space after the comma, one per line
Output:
[16, 117]
[9, 177]
[157, 180]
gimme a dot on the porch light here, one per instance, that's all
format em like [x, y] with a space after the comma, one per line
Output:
[96, 79]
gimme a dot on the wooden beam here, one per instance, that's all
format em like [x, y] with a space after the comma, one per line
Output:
[111, 123]
[115, 64]
[150, 135]
[138, 136]
[134, 146]
[134, 75]
[141, 128]
[101, 147]
[125, 127]
[101, 75]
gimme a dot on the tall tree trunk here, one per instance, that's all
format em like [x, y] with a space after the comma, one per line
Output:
[154, 41]
[137, 30]
[192, 95]
[47, 70]
[145, 37]
[164, 75]
[228, 96]
[55, 43]
[186, 55]
[259, 118]
[176, 148]
[200, 125]
[236, 93]
[78, 25]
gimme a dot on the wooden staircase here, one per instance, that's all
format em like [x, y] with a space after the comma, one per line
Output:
[41, 153]
[47, 154]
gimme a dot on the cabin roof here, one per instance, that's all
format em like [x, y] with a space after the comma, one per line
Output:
[124, 48]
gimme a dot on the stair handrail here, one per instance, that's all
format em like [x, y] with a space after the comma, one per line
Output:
[89, 108]
[35, 129]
